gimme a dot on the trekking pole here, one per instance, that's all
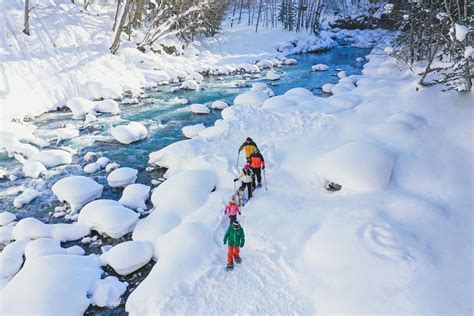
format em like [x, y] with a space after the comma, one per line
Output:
[237, 163]
[265, 179]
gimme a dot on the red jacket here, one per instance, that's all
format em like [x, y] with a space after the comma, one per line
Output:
[256, 160]
[231, 209]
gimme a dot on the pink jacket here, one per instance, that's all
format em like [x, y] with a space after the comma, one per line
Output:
[231, 209]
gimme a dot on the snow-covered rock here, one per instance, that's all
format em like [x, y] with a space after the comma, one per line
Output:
[290, 61]
[357, 166]
[52, 157]
[107, 106]
[261, 86]
[111, 167]
[11, 258]
[135, 195]
[320, 67]
[6, 218]
[103, 162]
[80, 107]
[107, 292]
[129, 256]
[26, 197]
[249, 68]
[327, 87]
[191, 131]
[130, 133]
[6, 233]
[253, 98]
[341, 74]
[89, 119]
[31, 228]
[279, 102]
[122, 177]
[190, 85]
[33, 169]
[77, 190]
[272, 75]
[108, 217]
[91, 167]
[61, 285]
[199, 108]
[47, 247]
[265, 63]
[359, 59]
[299, 92]
[219, 105]
[461, 32]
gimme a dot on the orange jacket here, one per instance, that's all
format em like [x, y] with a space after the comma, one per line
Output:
[256, 160]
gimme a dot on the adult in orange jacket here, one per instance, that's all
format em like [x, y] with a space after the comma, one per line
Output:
[257, 163]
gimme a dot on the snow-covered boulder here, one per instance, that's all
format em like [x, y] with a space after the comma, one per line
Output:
[6, 233]
[47, 247]
[61, 285]
[103, 162]
[33, 169]
[191, 131]
[52, 157]
[320, 67]
[219, 105]
[327, 87]
[6, 218]
[199, 108]
[90, 118]
[91, 167]
[359, 59]
[341, 74]
[26, 197]
[129, 256]
[279, 102]
[272, 75]
[122, 177]
[111, 167]
[107, 106]
[108, 217]
[249, 68]
[77, 190]
[31, 228]
[261, 86]
[224, 70]
[342, 87]
[253, 98]
[190, 85]
[290, 61]
[107, 292]
[80, 107]
[357, 166]
[265, 63]
[130, 133]
[299, 92]
[135, 195]
[11, 258]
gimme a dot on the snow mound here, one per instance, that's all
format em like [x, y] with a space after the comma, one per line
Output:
[91, 167]
[327, 87]
[11, 258]
[6, 218]
[80, 107]
[135, 195]
[31, 228]
[272, 75]
[193, 130]
[299, 92]
[357, 166]
[190, 85]
[26, 197]
[407, 118]
[107, 106]
[265, 63]
[107, 292]
[199, 108]
[219, 105]
[461, 32]
[103, 162]
[6, 233]
[249, 68]
[129, 256]
[48, 247]
[130, 133]
[33, 169]
[319, 67]
[122, 177]
[60, 286]
[52, 157]
[97, 90]
[261, 86]
[77, 190]
[341, 74]
[278, 103]
[290, 61]
[108, 217]
[342, 87]
[343, 102]
[252, 98]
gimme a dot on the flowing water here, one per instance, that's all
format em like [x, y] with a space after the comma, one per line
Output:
[164, 118]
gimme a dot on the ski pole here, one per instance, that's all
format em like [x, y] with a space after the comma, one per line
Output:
[237, 163]
[265, 179]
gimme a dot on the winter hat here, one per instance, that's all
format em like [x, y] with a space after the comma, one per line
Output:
[235, 225]
[246, 166]
[249, 139]
[232, 199]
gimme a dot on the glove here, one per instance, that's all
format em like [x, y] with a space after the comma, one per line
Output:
[224, 242]
[242, 246]
[235, 180]
[263, 167]
[240, 213]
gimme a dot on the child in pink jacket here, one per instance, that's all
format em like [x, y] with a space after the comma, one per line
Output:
[231, 209]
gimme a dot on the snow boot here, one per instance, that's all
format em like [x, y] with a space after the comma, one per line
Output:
[238, 260]
[259, 185]
[230, 267]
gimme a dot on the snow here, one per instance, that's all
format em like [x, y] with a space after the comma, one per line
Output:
[251, 98]
[61, 284]
[80, 107]
[122, 177]
[52, 157]
[26, 197]
[327, 87]
[107, 106]
[343, 102]
[48, 247]
[469, 52]
[77, 190]
[249, 68]
[6, 218]
[129, 256]
[290, 62]
[108, 217]
[97, 90]
[320, 67]
[103, 162]
[357, 166]
[66, 133]
[199, 108]
[299, 92]
[111, 167]
[190, 85]
[272, 75]
[107, 292]
[279, 102]
[265, 63]
[341, 74]
[33, 169]
[219, 105]
[191, 131]
[6, 233]
[135, 195]
[31, 228]
[11, 258]
[260, 86]
[461, 32]
[127, 134]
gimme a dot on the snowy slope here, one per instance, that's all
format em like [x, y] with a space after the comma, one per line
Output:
[404, 248]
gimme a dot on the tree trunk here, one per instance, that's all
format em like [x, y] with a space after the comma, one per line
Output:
[233, 13]
[241, 7]
[27, 18]
[116, 44]
[258, 16]
[137, 17]
[117, 11]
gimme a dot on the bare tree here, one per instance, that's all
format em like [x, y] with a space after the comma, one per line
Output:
[116, 44]
[117, 11]
[26, 30]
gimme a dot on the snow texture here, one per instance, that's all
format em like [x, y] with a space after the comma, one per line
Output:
[77, 190]
[6, 218]
[122, 177]
[219, 105]
[52, 157]
[129, 256]
[127, 134]
[191, 131]
[135, 195]
[31, 228]
[26, 197]
[252, 98]
[33, 169]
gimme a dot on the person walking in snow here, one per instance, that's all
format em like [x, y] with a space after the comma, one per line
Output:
[236, 238]
[231, 210]
[247, 179]
[257, 163]
[249, 147]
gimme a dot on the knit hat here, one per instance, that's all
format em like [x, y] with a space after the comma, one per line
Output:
[246, 166]
[248, 139]
[235, 225]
